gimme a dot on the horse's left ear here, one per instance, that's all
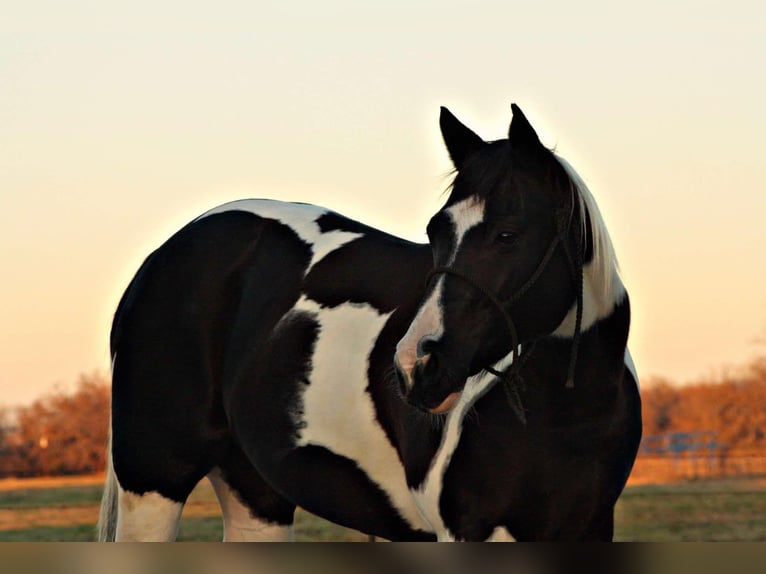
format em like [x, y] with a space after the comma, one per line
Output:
[461, 142]
[521, 133]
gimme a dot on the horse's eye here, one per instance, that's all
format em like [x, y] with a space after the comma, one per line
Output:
[506, 237]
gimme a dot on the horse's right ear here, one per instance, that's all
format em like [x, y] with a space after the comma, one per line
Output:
[461, 142]
[521, 133]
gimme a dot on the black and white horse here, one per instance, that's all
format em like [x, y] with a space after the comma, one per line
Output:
[475, 388]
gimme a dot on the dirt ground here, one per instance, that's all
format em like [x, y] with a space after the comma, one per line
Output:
[50, 482]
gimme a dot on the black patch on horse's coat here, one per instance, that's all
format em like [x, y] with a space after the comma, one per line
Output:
[373, 269]
[264, 399]
[167, 418]
[252, 490]
[334, 487]
[560, 476]
[331, 221]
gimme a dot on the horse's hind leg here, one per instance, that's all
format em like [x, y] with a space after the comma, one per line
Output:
[147, 517]
[165, 438]
[240, 524]
[252, 510]
[168, 342]
[149, 503]
[129, 516]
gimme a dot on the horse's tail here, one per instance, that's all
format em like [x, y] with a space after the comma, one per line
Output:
[107, 517]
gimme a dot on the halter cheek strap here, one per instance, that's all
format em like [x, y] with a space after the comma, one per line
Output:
[520, 292]
[512, 374]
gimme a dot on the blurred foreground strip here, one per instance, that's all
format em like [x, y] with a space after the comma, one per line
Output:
[214, 558]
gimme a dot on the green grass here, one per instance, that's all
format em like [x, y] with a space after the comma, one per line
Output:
[724, 510]
[46, 497]
[79, 533]
[200, 529]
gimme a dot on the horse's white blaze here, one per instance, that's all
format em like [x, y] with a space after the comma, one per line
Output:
[465, 215]
[239, 525]
[338, 412]
[147, 517]
[429, 320]
[427, 323]
[301, 218]
[428, 495]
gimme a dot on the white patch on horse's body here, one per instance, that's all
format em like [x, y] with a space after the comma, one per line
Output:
[239, 525]
[602, 287]
[596, 305]
[300, 217]
[148, 517]
[501, 534]
[428, 323]
[347, 424]
[428, 495]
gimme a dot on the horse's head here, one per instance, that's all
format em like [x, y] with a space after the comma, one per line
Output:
[503, 250]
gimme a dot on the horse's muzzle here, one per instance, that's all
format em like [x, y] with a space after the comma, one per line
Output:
[419, 386]
[409, 375]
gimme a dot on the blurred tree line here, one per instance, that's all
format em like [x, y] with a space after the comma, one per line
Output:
[732, 404]
[66, 433]
[59, 434]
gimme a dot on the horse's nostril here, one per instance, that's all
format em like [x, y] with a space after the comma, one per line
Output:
[424, 346]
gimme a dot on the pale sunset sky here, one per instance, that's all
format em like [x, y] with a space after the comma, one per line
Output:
[119, 122]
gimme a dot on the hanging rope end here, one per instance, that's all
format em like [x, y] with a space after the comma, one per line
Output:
[570, 383]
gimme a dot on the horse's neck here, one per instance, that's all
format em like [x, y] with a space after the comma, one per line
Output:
[599, 297]
[600, 360]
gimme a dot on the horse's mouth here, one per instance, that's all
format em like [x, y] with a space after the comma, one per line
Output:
[447, 404]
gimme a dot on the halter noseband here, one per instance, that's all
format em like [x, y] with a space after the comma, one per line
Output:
[512, 373]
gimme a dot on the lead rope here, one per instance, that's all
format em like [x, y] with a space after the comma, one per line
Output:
[512, 381]
[577, 332]
[575, 267]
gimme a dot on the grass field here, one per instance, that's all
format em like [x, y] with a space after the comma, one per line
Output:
[731, 509]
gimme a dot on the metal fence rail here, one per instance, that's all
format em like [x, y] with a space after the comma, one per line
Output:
[696, 454]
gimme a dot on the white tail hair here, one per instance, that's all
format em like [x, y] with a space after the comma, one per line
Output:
[107, 516]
